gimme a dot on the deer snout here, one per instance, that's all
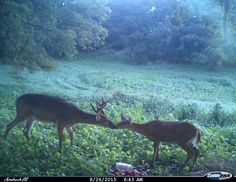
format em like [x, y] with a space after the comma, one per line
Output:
[111, 125]
[119, 126]
[115, 127]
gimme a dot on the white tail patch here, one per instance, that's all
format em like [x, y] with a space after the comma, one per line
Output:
[194, 140]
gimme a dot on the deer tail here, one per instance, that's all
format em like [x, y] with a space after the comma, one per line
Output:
[198, 135]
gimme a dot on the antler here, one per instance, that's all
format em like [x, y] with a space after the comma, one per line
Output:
[94, 108]
[103, 103]
[100, 105]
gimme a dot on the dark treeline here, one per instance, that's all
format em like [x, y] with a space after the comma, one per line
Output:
[184, 31]
[34, 32]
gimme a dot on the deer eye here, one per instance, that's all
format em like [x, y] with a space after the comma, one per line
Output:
[98, 117]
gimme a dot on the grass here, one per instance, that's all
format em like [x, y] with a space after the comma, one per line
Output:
[164, 91]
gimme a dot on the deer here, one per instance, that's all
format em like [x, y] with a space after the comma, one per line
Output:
[53, 109]
[183, 133]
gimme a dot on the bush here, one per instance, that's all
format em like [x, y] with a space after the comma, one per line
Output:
[188, 111]
[62, 44]
[219, 117]
[33, 33]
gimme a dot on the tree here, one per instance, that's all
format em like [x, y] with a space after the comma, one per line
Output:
[178, 31]
[228, 45]
[34, 32]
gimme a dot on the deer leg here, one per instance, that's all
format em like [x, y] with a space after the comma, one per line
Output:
[60, 129]
[155, 153]
[70, 132]
[28, 126]
[13, 124]
[196, 153]
[189, 152]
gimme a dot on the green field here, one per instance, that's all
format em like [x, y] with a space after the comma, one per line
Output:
[143, 92]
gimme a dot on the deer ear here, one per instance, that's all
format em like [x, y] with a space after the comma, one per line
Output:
[98, 117]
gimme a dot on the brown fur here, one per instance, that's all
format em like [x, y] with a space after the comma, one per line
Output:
[55, 110]
[182, 133]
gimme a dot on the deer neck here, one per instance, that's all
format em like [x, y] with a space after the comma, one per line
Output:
[139, 128]
[85, 117]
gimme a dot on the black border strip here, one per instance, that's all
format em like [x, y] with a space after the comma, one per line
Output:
[106, 179]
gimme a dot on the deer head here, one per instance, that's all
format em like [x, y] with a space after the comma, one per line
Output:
[100, 114]
[125, 122]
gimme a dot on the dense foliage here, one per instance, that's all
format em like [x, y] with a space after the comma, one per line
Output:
[144, 93]
[97, 149]
[174, 31]
[34, 32]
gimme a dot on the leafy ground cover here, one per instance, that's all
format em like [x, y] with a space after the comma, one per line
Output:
[163, 91]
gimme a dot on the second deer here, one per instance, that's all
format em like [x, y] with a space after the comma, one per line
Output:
[182, 133]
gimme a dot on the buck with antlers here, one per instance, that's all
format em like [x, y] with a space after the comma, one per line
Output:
[183, 133]
[56, 110]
